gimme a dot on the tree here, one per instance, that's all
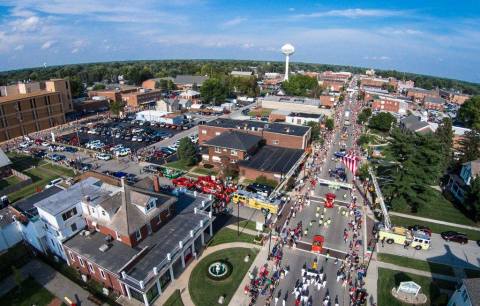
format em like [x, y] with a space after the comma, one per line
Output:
[362, 172]
[470, 146]
[299, 85]
[214, 90]
[329, 124]
[472, 198]
[444, 134]
[315, 130]
[17, 277]
[186, 152]
[364, 115]
[76, 86]
[98, 86]
[469, 113]
[116, 107]
[382, 121]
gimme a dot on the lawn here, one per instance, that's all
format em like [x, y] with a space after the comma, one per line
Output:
[22, 161]
[226, 235]
[387, 279]
[178, 165]
[9, 181]
[15, 256]
[203, 171]
[205, 291]
[31, 293]
[251, 225]
[416, 264]
[439, 208]
[41, 175]
[262, 112]
[436, 228]
[174, 300]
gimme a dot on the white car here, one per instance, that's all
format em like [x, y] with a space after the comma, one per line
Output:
[134, 138]
[45, 144]
[24, 145]
[139, 139]
[173, 148]
[53, 183]
[103, 156]
[122, 152]
[116, 148]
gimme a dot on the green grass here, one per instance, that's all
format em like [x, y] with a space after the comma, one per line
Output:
[178, 165]
[30, 293]
[472, 273]
[263, 112]
[174, 300]
[387, 279]
[9, 181]
[226, 235]
[41, 175]
[205, 291]
[251, 225]
[435, 227]
[203, 171]
[22, 161]
[439, 208]
[416, 264]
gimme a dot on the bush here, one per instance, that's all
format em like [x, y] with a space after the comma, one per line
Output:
[208, 166]
[265, 181]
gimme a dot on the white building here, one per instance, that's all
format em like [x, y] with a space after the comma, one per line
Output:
[9, 232]
[62, 213]
[302, 118]
[468, 294]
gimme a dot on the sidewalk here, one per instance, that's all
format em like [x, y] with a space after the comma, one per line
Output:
[240, 298]
[181, 283]
[434, 221]
[53, 281]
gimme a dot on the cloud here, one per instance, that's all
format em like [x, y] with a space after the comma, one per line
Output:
[28, 24]
[352, 13]
[233, 22]
[19, 48]
[291, 9]
[47, 44]
[75, 50]
[377, 58]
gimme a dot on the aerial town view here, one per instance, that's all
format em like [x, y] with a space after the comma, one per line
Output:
[202, 153]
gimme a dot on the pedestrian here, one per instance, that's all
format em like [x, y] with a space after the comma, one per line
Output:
[405, 244]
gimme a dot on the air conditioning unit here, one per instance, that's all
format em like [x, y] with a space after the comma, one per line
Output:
[104, 247]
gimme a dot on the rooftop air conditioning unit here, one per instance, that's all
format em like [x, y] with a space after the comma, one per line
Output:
[103, 248]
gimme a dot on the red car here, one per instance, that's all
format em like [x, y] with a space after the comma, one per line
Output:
[420, 228]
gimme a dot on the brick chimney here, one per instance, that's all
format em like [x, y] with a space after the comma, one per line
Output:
[156, 184]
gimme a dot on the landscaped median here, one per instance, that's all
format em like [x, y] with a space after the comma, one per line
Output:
[388, 279]
[435, 227]
[206, 291]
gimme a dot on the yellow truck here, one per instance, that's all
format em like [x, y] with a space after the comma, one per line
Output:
[400, 235]
[254, 201]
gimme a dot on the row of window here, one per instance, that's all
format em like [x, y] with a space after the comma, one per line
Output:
[89, 264]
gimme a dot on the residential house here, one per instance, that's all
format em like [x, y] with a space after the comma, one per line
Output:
[5, 165]
[458, 184]
[167, 105]
[413, 124]
[9, 233]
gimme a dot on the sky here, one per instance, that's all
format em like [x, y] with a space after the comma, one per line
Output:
[440, 38]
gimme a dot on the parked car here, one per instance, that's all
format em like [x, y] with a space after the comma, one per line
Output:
[421, 228]
[151, 169]
[56, 157]
[53, 183]
[45, 144]
[455, 236]
[122, 152]
[103, 156]
[70, 149]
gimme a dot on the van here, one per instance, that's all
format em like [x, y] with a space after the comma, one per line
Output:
[53, 183]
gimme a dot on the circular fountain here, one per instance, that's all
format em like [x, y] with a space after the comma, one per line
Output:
[219, 270]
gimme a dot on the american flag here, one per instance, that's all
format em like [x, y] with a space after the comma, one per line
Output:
[351, 162]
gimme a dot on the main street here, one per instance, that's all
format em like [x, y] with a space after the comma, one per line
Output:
[296, 258]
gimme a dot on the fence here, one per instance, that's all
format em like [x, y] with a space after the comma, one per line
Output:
[26, 180]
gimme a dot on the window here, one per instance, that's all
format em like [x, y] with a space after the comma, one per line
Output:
[72, 257]
[73, 227]
[82, 263]
[217, 133]
[102, 274]
[103, 213]
[90, 268]
[68, 214]
[204, 132]
[275, 142]
[138, 235]
[118, 235]
[151, 204]
[233, 152]
[218, 150]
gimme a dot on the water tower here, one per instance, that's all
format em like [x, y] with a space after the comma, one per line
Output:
[288, 50]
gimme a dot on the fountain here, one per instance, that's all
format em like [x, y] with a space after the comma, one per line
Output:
[219, 270]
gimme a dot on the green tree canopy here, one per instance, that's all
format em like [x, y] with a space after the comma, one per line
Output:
[444, 134]
[382, 121]
[470, 146]
[98, 86]
[472, 198]
[214, 90]
[116, 107]
[329, 124]
[186, 152]
[315, 130]
[469, 113]
[299, 85]
[364, 115]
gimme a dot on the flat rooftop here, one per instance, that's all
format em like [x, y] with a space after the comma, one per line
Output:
[274, 127]
[293, 100]
[305, 115]
[273, 159]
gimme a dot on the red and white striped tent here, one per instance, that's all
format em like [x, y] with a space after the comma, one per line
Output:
[351, 161]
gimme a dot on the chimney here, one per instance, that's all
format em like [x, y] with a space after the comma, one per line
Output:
[156, 184]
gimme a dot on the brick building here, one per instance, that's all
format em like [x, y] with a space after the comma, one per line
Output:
[275, 134]
[136, 243]
[142, 99]
[332, 84]
[327, 101]
[419, 94]
[432, 103]
[23, 114]
[114, 93]
[390, 104]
